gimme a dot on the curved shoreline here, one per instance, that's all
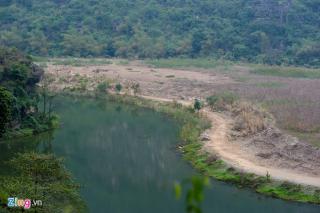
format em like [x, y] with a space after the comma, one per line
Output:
[208, 162]
[228, 152]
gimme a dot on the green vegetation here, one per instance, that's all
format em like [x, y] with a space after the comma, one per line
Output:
[287, 72]
[118, 87]
[204, 63]
[197, 105]
[195, 195]
[102, 87]
[219, 101]
[270, 32]
[213, 167]
[41, 177]
[77, 62]
[20, 97]
[6, 100]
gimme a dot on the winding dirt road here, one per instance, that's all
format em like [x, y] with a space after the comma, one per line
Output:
[232, 154]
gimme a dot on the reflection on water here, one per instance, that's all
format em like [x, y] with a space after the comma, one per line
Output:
[125, 159]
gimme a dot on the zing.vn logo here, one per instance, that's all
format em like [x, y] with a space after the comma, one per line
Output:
[23, 203]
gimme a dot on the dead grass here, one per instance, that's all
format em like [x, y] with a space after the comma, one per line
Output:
[294, 102]
[248, 118]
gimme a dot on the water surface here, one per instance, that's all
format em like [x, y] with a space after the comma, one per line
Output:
[126, 161]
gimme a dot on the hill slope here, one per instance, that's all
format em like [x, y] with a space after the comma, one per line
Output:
[269, 31]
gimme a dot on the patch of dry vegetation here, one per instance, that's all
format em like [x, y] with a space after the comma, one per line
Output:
[294, 102]
[254, 130]
[249, 119]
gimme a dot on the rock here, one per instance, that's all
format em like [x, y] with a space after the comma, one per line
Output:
[205, 137]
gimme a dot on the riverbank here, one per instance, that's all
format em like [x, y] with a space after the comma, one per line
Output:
[213, 165]
[179, 88]
[212, 159]
[52, 124]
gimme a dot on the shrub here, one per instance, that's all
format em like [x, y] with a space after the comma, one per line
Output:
[118, 87]
[102, 87]
[136, 88]
[221, 101]
[197, 105]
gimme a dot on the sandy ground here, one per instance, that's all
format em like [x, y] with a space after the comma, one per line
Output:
[185, 85]
[234, 155]
[169, 83]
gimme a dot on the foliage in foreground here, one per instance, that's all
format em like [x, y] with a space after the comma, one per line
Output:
[195, 194]
[41, 177]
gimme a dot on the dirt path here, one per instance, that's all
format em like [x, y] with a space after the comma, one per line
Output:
[232, 154]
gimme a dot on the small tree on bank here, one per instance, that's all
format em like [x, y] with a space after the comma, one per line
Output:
[197, 105]
[118, 87]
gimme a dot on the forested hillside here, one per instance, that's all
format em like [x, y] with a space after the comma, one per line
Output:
[268, 31]
[20, 95]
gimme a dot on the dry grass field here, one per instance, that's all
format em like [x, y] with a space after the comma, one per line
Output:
[291, 94]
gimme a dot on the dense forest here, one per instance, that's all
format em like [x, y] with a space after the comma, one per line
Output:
[20, 95]
[263, 31]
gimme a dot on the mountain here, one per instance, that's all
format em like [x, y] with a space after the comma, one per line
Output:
[264, 31]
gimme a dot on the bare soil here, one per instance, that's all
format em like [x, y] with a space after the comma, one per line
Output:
[168, 83]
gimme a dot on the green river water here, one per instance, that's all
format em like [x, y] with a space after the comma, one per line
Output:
[126, 161]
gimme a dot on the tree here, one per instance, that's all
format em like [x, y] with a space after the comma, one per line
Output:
[20, 77]
[6, 100]
[159, 29]
[47, 96]
[197, 105]
[197, 39]
[118, 87]
[42, 177]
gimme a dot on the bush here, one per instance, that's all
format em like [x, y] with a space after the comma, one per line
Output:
[102, 87]
[221, 101]
[54, 121]
[197, 105]
[118, 87]
[136, 88]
